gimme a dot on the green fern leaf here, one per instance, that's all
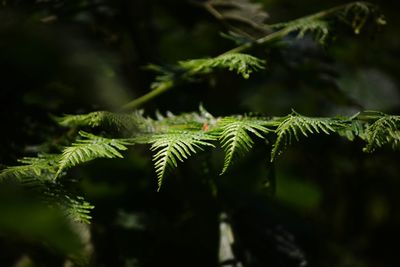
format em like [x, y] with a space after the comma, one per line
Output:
[192, 121]
[296, 125]
[75, 207]
[43, 167]
[91, 148]
[241, 63]
[136, 124]
[176, 146]
[319, 28]
[38, 176]
[357, 14]
[118, 121]
[354, 14]
[78, 209]
[235, 139]
[385, 130]
[92, 119]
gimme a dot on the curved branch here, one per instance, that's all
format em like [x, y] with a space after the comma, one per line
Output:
[147, 97]
[261, 41]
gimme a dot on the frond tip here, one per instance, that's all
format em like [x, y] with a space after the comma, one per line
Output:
[243, 64]
[176, 146]
[358, 13]
[92, 119]
[92, 147]
[105, 119]
[318, 27]
[295, 125]
[385, 130]
[43, 167]
[235, 139]
[78, 209]
[354, 14]
[74, 206]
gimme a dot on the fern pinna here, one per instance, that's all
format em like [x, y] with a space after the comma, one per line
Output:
[234, 136]
[174, 138]
[90, 148]
[169, 148]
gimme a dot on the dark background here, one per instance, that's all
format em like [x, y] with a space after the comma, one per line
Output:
[331, 205]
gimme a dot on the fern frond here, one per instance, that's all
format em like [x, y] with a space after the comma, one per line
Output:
[92, 119]
[385, 130]
[354, 14]
[38, 176]
[295, 125]
[319, 28]
[243, 64]
[75, 207]
[119, 121]
[78, 209]
[42, 167]
[235, 139]
[136, 124]
[92, 147]
[357, 14]
[192, 121]
[176, 146]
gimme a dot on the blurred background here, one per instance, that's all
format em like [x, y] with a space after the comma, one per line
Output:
[323, 203]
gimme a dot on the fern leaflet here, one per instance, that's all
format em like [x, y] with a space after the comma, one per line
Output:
[241, 63]
[42, 167]
[357, 14]
[319, 28]
[235, 139]
[385, 130]
[176, 146]
[119, 121]
[75, 207]
[354, 14]
[92, 119]
[136, 124]
[78, 208]
[91, 148]
[295, 125]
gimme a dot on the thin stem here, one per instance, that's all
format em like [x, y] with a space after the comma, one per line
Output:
[262, 40]
[368, 117]
[285, 31]
[147, 97]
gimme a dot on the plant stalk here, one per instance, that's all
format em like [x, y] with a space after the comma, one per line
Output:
[263, 40]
